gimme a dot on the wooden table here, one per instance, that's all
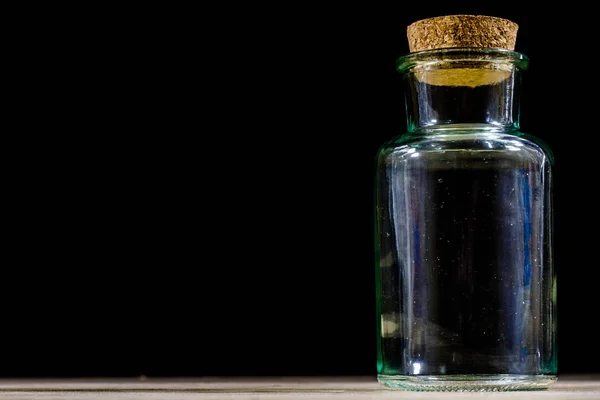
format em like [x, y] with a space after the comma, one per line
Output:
[270, 388]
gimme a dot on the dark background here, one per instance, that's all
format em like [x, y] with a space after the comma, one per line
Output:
[198, 199]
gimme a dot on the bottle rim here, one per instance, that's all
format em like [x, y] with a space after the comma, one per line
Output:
[461, 54]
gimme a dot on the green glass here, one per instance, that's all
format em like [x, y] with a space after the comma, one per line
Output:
[466, 289]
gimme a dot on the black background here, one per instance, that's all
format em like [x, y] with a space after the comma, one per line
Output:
[200, 202]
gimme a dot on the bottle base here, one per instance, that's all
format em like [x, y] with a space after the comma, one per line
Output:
[467, 383]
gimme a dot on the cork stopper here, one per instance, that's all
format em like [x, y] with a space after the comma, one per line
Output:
[462, 31]
[449, 31]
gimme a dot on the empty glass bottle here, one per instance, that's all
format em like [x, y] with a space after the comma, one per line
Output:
[465, 280]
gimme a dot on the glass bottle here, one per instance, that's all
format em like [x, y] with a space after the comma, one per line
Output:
[466, 290]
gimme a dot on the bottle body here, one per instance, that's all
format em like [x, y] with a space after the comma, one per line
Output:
[466, 278]
[466, 289]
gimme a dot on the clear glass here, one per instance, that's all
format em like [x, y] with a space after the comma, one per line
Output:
[466, 289]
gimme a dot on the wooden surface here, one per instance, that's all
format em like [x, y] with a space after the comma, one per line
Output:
[314, 388]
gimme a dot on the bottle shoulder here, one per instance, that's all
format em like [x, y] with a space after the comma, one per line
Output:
[538, 142]
[513, 145]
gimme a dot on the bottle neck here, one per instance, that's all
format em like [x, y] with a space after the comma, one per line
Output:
[462, 92]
